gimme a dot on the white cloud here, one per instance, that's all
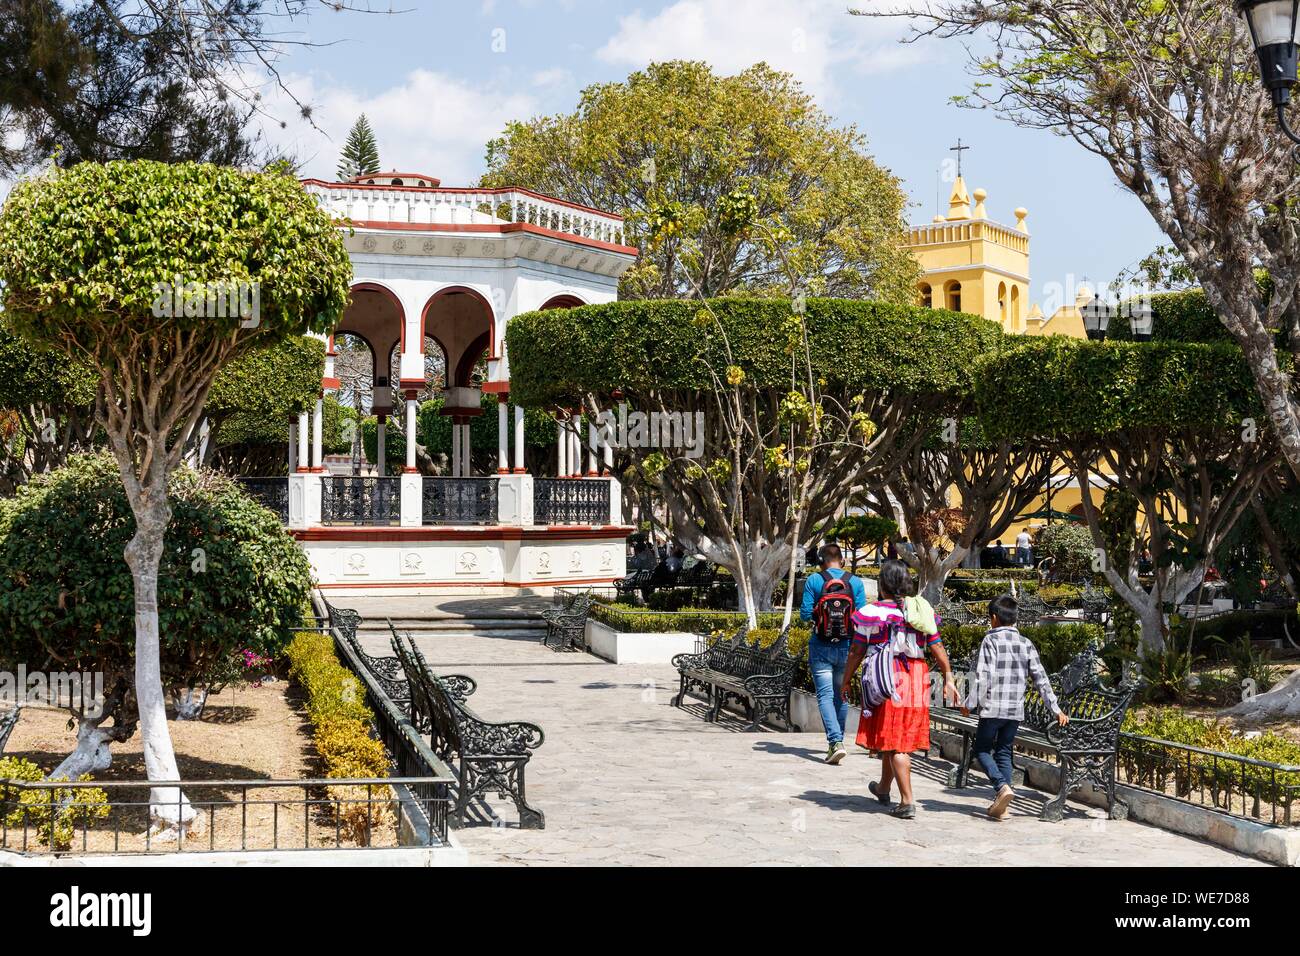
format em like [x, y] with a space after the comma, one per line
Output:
[813, 39]
[431, 123]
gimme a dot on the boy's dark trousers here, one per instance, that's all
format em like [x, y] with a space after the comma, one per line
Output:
[993, 739]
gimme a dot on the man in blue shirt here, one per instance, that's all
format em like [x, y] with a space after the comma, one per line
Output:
[826, 658]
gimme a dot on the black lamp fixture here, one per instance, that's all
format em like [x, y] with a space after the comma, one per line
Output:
[1272, 26]
[1140, 319]
[1096, 318]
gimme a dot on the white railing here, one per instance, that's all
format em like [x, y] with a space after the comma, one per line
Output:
[435, 206]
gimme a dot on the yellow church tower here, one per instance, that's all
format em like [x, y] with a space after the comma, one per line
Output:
[970, 263]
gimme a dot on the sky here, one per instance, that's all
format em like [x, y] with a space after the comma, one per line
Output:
[439, 78]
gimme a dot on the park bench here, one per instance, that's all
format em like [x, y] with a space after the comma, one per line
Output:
[7, 723]
[486, 757]
[1085, 748]
[633, 584]
[735, 671]
[566, 625]
[387, 671]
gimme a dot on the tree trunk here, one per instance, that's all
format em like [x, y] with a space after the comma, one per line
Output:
[1282, 701]
[169, 810]
[1152, 622]
[93, 738]
[188, 702]
[766, 568]
[92, 751]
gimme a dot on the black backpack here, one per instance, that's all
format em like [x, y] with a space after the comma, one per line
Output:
[833, 613]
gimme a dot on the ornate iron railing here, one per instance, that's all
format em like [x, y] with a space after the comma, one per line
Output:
[1238, 786]
[271, 492]
[363, 501]
[571, 501]
[459, 501]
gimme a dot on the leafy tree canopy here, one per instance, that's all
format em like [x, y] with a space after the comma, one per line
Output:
[683, 154]
[558, 355]
[1059, 387]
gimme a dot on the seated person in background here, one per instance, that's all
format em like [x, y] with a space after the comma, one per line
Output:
[998, 554]
[643, 559]
[674, 560]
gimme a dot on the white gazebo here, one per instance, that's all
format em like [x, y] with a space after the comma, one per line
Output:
[455, 265]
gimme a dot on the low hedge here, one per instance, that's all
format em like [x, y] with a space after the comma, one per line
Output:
[640, 620]
[341, 724]
[1056, 643]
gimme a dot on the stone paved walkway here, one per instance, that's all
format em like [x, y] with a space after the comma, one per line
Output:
[624, 778]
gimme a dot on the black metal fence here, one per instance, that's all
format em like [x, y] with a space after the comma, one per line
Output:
[361, 501]
[459, 501]
[113, 816]
[571, 501]
[1238, 786]
[271, 492]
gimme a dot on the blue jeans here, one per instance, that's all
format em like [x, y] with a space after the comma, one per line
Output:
[826, 662]
[993, 739]
[1024, 556]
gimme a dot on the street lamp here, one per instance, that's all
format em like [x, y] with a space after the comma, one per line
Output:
[1141, 319]
[1272, 26]
[1096, 318]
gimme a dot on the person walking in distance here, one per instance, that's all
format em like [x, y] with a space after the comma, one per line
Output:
[830, 597]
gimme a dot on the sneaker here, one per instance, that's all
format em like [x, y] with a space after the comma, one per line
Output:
[875, 792]
[904, 811]
[835, 753]
[998, 808]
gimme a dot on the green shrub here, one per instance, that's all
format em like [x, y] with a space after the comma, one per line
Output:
[633, 619]
[1057, 643]
[986, 589]
[341, 721]
[1069, 544]
[231, 578]
[55, 815]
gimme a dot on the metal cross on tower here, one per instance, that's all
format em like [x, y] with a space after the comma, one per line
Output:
[958, 149]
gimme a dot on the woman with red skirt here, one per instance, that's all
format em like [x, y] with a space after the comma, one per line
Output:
[901, 724]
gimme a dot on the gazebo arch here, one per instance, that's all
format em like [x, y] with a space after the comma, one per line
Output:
[462, 321]
[564, 301]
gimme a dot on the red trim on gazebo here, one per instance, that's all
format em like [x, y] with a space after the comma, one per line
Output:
[504, 228]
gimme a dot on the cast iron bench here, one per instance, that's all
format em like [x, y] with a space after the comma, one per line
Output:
[566, 625]
[759, 678]
[487, 757]
[7, 724]
[1085, 747]
[387, 671]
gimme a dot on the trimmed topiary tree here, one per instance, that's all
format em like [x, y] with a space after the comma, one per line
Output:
[742, 499]
[1177, 427]
[125, 266]
[230, 579]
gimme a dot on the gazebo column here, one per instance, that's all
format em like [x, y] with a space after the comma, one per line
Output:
[318, 437]
[608, 449]
[561, 449]
[410, 432]
[293, 445]
[503, 435]
[575, 446]
[304, 453]
[381, 436]
[592, 441]
[519, 440]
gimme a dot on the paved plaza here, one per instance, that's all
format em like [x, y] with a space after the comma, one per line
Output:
[625, 778]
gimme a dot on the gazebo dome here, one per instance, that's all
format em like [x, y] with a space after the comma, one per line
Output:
[395, 178]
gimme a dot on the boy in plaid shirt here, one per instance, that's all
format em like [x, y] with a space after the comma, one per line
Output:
[997, 693]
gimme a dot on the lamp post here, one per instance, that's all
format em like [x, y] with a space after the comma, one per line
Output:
[1096, 318]
[1141, 319]
[1272, 26]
